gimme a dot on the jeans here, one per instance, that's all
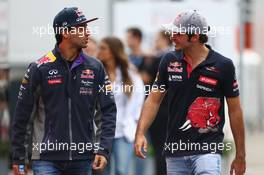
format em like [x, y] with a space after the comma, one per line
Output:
[79, 167]
[205, 164]
[120, 158]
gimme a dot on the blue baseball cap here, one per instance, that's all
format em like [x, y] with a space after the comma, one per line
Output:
[69, 17]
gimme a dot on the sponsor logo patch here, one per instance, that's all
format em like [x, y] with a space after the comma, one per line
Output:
[86, 83]
[212, 69]
[87, 74]
[175, 67]
[26, 75]
[207, 80]
[22, 88]
[55, 81]
[24, 81]
[204, 88]
[46, 59]
[86, 91]
[53, 72]
[175, 78]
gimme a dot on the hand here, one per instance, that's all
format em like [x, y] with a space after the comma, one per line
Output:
[141, 142]
[99, 163]
[18, 170]
[238, 166]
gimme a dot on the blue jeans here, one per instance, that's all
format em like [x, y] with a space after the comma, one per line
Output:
[121, 157]
[205, 164]
[80, 167]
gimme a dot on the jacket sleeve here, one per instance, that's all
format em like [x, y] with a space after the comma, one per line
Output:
[108, 114]
[23, 112]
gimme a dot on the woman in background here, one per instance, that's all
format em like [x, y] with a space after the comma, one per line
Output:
[92, 47]
[128, 89]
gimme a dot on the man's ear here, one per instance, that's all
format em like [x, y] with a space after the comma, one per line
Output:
[65, 33]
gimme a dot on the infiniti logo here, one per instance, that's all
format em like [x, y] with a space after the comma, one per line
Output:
[53, 72]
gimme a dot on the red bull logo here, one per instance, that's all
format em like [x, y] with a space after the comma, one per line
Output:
[175, 67]
[203, 114]
[46, 59]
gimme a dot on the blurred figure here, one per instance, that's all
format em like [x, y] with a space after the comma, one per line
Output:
[3, 87]
[143, 63]
[149, 67]
[162, 43]
[157, 130]
[92, 48]
[4, 119]
[134, 38]
[129, 94]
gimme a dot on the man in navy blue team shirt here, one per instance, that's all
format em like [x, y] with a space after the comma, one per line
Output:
[57, 101]
[197, 80]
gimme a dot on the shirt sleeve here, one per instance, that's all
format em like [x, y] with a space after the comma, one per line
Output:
[161, 81]
[230, 84]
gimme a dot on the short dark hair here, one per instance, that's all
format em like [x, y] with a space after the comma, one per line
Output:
[58, 38]
[203, 38]
[136, 32]
[58, 33]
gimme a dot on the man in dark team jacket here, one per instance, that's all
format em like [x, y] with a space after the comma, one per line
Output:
[57, 98]
[197, 80]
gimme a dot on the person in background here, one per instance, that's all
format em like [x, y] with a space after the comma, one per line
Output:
[92, 48]
[162, 43]
[129, 93]
[143, 63]
[149, 66]
[157, 130]
[134, 38]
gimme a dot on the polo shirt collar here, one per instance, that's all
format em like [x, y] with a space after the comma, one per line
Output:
[210, 59]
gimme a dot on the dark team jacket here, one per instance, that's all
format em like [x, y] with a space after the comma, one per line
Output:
[196, 101]
[58, 100]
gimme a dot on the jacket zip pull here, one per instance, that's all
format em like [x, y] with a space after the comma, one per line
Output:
[69, 107]
[70, 126]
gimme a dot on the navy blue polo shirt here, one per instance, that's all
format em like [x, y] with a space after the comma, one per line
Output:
[196, 102]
